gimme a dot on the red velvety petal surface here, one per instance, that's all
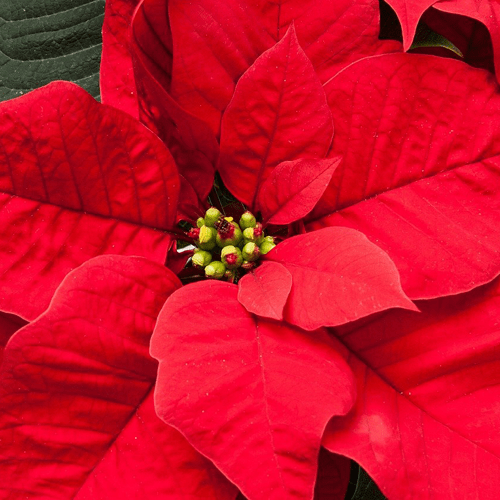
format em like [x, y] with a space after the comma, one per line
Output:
[426, 422]
[77, 417]
[230, 381]
[293, 189]
[218, 41]
[278, 112]
[118, 88]
[338, 276]
[190, 140]
[77, 179]
[420, 142]
[265, 290]
[487, 12]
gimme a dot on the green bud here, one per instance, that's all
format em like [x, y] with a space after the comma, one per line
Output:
[254, 234]
[201, 258]
[231, 257]
[266, 247]
[270, 239]
[233, 237]
[250, 251]
[200, 222]
[207, 238]
[215, 269]
[247, 220]
[212, 216]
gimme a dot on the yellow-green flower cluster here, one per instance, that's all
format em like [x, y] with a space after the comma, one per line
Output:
[225, 248]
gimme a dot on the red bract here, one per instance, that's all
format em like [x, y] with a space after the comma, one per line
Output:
[216, 42]
[249, 377]
[278, 112]
[76, 395]
[77, 179]
[265, 290]
[426, 419]
[420, 145]
[486, 12]
[118, 88]
[337, 276]
[221, 383]
[293, 189]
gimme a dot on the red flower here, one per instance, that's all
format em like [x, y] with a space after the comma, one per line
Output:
[249, 374]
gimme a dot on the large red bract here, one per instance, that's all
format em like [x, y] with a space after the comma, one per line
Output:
[249, 378]
[221, 383]
[77, 180]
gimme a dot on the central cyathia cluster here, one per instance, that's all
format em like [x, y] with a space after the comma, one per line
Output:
[227, 249]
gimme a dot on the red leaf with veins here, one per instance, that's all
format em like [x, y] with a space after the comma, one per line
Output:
[221, 383]
[190, 140]
[218, 41]
[421, 153]
[77, 179]
[264, 291]
[293, 189]
[487, 12]
[426, 422]
[118, 88]
[338, 276]
[77, 418]
[278, 112]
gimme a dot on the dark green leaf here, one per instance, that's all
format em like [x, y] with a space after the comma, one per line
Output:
[366, 489]
[425, 37]
[46, 40]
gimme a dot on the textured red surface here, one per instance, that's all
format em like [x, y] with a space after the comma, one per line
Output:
[218, 42]
[118, 88]
[293, 189]
[221, 383]
[278, 112]
[76, 395]
[426, 419]
[77, 179]
[265, 290]
[338, 276]
[420, 145]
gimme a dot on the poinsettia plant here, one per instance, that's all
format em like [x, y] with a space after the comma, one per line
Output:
[346, 310]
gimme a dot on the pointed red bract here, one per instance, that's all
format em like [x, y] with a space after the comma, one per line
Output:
[487, 12]
[338, 276]
[221, 383]
[278, 112]
[77, 418]
[77, 179]
[293, 189]
[421, 147]
[264, 291]
[218, 42]
[426, 422]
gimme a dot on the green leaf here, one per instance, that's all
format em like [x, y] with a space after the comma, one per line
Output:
[46, 40]
[425, 37]
[366, 489]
